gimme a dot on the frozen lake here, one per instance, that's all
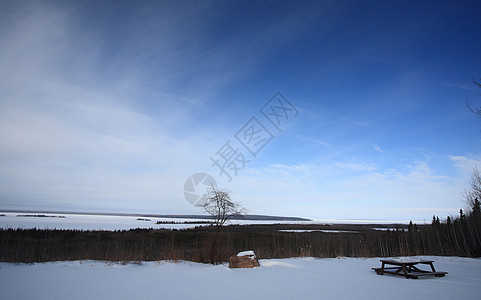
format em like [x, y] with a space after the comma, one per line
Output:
[113, 222]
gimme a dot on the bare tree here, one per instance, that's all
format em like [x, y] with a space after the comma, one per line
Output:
[475, 110]
[474, 192]
[219, 205]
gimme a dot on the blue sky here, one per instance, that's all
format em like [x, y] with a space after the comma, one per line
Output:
[112, 105]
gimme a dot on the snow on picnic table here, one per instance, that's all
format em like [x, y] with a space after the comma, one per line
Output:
[294, 278]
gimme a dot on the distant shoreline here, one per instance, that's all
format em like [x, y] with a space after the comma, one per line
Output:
[245, 217]
[206, 217]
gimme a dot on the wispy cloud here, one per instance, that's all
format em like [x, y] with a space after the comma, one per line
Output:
[115, 109]
[460, 86]
[82, 140]
[354, 166]
[315, 141]
[359, 123]
[466, 164]
[378, 149]
[91, 117]
[351, 190]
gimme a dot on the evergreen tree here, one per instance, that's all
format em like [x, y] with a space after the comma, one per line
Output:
[476, 212]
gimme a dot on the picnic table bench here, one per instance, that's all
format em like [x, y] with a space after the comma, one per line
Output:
[407, 268]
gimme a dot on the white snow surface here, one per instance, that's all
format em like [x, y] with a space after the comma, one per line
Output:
[246, 253]
[107, 222]
[89, 222]
[294, 278]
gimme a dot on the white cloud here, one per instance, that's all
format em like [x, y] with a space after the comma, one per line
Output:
[378, 149]
[89, 143]
[359, 123]
[93, 120]
[466, 164]
[460, 86]
[315, 141]
[99, 119]
[354, 166]
[333, 190]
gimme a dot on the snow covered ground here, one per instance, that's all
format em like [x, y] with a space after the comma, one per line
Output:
[88, 222]
[295, 278]
[110, 222]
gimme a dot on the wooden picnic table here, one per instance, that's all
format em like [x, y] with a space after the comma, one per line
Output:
[407, 268]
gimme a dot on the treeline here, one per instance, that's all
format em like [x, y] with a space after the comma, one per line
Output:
[454, 236]
[40, 216]
[461, 234]
[36, 245]
[184, 222]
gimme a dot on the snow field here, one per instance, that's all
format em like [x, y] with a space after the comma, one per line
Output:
[294, 278]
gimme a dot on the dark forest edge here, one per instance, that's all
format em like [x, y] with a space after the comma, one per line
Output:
[454, 236]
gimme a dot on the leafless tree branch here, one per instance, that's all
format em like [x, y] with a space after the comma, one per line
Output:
[475, 110]
[474, 191]
[220, 206]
